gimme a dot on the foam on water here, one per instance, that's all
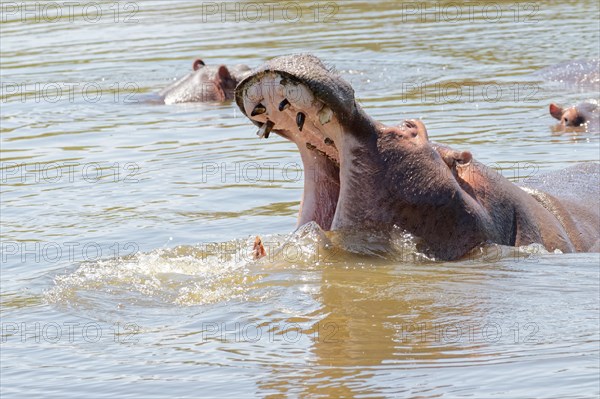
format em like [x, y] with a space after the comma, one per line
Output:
[184, 275]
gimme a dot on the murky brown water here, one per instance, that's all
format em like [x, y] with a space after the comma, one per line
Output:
[126, 226]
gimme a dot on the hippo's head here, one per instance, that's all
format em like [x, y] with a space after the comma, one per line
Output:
[567, 116]
[360, 173]
[203, 84]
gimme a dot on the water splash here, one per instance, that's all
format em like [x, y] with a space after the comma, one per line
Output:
[184, 275]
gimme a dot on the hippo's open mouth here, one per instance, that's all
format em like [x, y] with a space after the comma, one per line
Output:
[301, 100]
[360, 175]
[278, 102]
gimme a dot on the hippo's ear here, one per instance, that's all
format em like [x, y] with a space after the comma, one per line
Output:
[198, 63]
[464, 158]
[452, 158]
[223, 83]
[556, 111]
[223, 73]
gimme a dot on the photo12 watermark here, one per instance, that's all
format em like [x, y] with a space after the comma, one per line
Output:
[68, 251]
[257, 11]
[70, 92]
[91, 12]
[251, 172]
[69, 172]
[454, 92]
[482, 333]
[469, 11]
[324, 332]
[69, 332]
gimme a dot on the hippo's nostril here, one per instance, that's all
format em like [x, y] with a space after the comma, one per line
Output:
[285, 104]
[259, 109]
[300, 118]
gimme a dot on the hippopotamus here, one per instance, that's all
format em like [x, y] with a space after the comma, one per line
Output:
[361, 175]
[586, 113]
[575, 74]
[204, 84]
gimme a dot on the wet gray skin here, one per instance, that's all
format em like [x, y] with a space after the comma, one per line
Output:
[361, 175]
[583, 74]
[586, 114]
[204, 84]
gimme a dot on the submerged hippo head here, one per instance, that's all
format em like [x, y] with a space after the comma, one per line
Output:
[362, 175]
[204, 84]
[567, 116]
[584, 113]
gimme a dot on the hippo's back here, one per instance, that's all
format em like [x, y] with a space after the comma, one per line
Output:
[577, 73]
[577, 190]
[580, 183]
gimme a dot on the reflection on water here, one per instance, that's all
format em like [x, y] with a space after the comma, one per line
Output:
[138, 218]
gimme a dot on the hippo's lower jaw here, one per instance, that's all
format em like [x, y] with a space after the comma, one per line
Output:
[362, 175]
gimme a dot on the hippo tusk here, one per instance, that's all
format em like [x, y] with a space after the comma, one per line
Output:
[265, 130]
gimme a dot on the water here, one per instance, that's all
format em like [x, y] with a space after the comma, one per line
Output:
[127, 227]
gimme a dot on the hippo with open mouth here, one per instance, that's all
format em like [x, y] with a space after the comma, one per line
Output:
[204, 84]
[361, 175]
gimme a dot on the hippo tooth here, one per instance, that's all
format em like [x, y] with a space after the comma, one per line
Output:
[300, 118]
[259, 109]
[325, 115]
[265, 130]
[285, 104]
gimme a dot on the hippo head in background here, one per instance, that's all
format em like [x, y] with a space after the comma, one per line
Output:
[582, 114]
[205, 84]
[366, 176]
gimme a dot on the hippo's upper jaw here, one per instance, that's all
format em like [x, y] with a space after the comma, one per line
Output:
[360, 174]
[298, 98]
